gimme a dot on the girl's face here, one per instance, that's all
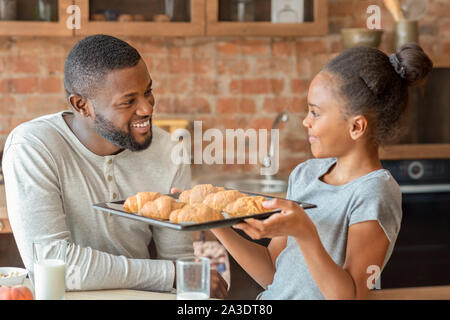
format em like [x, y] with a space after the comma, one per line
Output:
[328, 130]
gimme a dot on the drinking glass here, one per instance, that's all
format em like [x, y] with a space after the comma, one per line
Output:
[49, 269]
[193, 278]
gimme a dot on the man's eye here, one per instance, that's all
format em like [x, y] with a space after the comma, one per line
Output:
[130, 102]
[148, 92]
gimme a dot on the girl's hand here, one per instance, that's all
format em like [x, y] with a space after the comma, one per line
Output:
[175, 190]
[291, 221]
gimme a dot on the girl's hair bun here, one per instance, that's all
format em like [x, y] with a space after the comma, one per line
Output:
[415, 62]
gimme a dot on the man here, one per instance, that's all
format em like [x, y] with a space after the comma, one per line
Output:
[57, 166]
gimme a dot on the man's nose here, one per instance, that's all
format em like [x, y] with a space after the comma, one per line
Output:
[145, 107]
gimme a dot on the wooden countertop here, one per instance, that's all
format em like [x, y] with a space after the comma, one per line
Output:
[119, 295]
[425, 293]
[419, 293]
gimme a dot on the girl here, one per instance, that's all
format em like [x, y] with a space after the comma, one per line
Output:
[355, 104]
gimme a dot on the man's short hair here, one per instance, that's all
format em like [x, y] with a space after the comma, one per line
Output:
[92, 58]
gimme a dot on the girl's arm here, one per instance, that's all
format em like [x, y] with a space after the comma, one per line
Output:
[258, 261]
[366, 246]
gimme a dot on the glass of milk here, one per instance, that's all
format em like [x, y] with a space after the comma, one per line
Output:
[193, 278]
[49, 269]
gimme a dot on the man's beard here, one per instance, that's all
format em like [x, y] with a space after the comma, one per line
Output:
[120, 138]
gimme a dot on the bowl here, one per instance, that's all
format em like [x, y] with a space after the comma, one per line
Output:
[11, 276]
[361, 37]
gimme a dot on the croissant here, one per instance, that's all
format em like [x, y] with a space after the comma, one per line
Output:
[198, 193]
[131, 205]
[221, 199]
[198, 213]
[246, 206]
[135, 203]
[160, 208]
[173, 217]
[144, 197]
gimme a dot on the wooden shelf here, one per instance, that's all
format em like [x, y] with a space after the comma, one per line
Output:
[441, 60]
[415, 151]
[214, 27]
[143, 28]
[39, 28]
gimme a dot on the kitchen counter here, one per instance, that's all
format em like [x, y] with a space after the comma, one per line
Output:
[116, 294]
[119, 295]
[418, 293]
[425, 293]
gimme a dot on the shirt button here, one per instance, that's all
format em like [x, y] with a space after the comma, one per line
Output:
[114, 196]
[109, 161]
[109, 178]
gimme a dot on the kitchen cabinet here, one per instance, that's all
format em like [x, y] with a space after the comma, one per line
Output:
[192, 26]
[209, 26]
[39, 28]
[215, 26]
[199, 18]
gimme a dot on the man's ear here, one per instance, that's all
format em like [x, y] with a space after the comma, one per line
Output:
[80, 105]
[358, 127]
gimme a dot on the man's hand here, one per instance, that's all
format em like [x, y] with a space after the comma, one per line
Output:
[218, 285]
[175, 190]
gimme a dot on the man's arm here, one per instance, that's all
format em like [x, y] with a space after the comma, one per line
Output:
[36, 211]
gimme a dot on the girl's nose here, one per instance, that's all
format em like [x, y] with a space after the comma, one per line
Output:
[306, 122]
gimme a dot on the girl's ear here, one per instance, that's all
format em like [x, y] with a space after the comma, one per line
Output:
[358, 127]
[80, 105]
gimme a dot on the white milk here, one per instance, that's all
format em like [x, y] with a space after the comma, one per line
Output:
[49, 279]
[192, 296]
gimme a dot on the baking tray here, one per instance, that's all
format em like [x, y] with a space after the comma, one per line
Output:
[116, 207]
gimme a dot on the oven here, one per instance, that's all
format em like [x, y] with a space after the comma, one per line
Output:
[421, 255]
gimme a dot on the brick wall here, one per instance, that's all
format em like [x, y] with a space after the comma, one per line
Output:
[225, 82]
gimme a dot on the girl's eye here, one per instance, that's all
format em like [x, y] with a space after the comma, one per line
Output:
[315, 114]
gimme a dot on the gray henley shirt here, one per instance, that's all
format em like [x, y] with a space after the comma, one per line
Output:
[51, 182]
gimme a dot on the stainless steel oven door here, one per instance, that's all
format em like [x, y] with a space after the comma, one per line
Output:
[421, 256]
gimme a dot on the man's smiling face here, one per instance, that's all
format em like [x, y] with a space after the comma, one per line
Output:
[123, 107]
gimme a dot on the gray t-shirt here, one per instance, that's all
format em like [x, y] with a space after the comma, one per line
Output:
[375, 196]
[51, 182]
